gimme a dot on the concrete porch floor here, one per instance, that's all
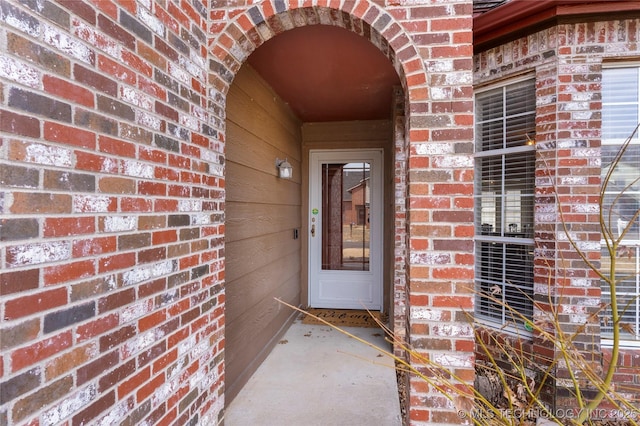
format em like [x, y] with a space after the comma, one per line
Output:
[318, 376]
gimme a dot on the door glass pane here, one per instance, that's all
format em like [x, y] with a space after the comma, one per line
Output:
[345, 216]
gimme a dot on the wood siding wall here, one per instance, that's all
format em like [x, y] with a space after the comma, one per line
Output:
[262, 211]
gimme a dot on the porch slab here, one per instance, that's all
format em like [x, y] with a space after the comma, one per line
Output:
[318, 376]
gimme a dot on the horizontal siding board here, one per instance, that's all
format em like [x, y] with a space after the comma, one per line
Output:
[250, 220]
[262, 257]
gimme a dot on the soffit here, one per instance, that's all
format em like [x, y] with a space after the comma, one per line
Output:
[327, 73]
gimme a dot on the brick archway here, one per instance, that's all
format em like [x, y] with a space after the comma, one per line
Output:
[433, 270]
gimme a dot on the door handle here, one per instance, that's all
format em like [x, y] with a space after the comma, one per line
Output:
[313, 230]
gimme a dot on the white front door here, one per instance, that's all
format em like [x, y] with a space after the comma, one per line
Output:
[345, 229]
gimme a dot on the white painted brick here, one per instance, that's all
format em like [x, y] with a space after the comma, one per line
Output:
[189, 122]
[66, 44]
[455, 78]
[453, 360]
[163, 392]
[31, 27]
[453, 330]
[152, 22]
[573, 180]
[200, 219]
[433, 148]
[136, 97]
[116, 413]
[48, 155]
[148, 120]
[441, 93]
[19, 72]
[120, 223]
[216, 170]
[141, 342]
[429, 258]
[98, 41]
[179, 73]
[586, 208]
[91, 203]
[190, 205]
[421, 313]
[186, 345]
[68, 406]
[135, 311]
[31, 254]
[138, 169]
[453, 161]
[200, 113]
[140, 274]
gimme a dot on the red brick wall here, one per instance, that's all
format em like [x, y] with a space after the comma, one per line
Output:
[111, 233]
[566, 61]
[112, 156]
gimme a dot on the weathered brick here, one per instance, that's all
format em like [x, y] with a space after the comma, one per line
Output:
[32, 303]
[167, 143]
[94, 368]
[117, 32]
[19, 334]
[136, 415]
[117, 375]
[117, 108]
[65, 226]
[67, 181]
[11, 122]
[69, 361]
[92, 411]
[38, 54]
[116, 338]
[29, 355]
[68, 272]
[134, 241]
[36, 202]
[95, 80]
[116, 300]
[18, 229]
[17, 281]
[179, 220]
[39, 104]
[19, 385]
[138, 28]
[96, 122]
[63, 318]
[43, 397]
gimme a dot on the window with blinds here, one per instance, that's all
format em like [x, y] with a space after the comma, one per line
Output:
[504, 199]
[620, 116]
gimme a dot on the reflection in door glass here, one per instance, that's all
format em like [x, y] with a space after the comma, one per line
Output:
[345, 216]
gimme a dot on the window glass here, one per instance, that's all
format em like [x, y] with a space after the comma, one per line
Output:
[505, 187]
[620, 106]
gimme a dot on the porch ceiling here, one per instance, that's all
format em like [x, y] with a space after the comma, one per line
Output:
[327, 73]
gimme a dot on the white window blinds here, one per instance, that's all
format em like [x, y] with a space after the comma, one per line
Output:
[504, 198]
[620, 116]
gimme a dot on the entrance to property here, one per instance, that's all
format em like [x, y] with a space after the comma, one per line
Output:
[345, 229]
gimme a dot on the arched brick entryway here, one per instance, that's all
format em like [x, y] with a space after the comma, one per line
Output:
[434, 169]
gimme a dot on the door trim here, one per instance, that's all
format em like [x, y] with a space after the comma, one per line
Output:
[317, 157]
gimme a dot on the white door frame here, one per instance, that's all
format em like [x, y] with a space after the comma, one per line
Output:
[346, 289]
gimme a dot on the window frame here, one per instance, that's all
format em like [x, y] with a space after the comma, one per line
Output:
[502, 320]
[606, 338]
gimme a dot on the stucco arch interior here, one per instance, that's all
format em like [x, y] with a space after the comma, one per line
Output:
[230, 50]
